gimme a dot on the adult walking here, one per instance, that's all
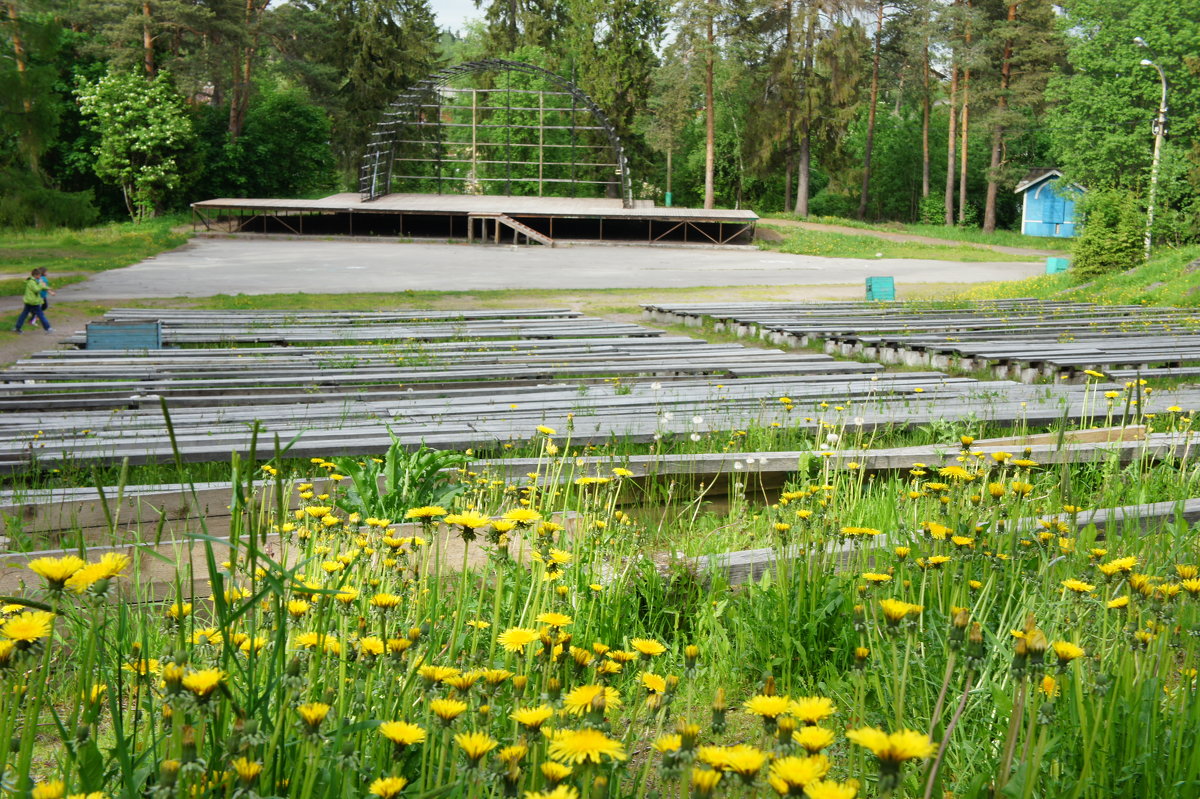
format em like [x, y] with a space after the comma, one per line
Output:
[33, 302]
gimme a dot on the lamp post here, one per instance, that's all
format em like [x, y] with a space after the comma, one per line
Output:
[1160, 129]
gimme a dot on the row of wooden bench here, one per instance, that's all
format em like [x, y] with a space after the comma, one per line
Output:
[1025, 340]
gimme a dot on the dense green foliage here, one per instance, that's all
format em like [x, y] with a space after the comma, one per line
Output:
[817, 108]
[1112, 234]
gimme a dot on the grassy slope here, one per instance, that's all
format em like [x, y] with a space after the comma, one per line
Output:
[82, 251]
[841, 245]
[972, 235]
[1165, 280]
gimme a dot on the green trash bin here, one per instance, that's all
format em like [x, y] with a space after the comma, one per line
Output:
[881, 288]
[1056, 265]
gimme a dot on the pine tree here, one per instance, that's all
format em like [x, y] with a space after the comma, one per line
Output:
[511, 24]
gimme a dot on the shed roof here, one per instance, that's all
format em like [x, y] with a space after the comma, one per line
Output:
[1035, 176]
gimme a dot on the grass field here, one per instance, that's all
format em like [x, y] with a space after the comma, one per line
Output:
[840, 245]
[1167, 279]
[967, 234]
[71, 255]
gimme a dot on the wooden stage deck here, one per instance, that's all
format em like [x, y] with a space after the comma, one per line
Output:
[485, 217]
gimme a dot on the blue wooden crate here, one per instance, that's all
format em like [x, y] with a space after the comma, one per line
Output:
[124, 336]
[1056, 265]
[881, 288]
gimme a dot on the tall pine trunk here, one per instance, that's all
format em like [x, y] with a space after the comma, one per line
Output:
[966, 112]
[925, 125]
[866, 181]
[147, 40]
[28, 137]
[951, 141]
[803, 165]
[993, 185]
[789, 79]
[787, 184]
[710, 142]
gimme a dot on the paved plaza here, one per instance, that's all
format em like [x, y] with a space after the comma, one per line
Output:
[207, 266]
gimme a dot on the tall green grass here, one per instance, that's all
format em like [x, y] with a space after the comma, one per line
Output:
[967, 605]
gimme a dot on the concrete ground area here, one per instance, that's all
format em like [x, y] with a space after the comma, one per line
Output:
[208, 266]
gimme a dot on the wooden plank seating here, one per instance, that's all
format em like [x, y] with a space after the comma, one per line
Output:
[309, 327]
[172, 511]
[1025, 340]
[487, 419]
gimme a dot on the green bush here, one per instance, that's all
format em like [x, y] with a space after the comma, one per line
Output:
[1111, 241]
[932, 210]
[829, 203]
[26, 203]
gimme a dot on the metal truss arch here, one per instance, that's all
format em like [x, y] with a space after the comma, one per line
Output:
[407, 122]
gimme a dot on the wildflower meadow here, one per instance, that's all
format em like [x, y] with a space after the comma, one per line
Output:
[391, 627]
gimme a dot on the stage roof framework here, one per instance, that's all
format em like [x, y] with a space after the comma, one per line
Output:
[527, 132]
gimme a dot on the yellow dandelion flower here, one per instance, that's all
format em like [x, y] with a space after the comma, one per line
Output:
[653, 683]
[554, 772]
[522, 516]
[246, 769]
[425, 513]
[829, 789]
[475, 745]
[744, 760]
[789, 775]
[402, 733]
[515, 639]
[704, 781]
[387, 787]
[895, 747]
[53, 789]
[447, 709]
[56, 571]
[1067, 651]
[668, 743]
[532, 718]
[768, 707]
[580, 746]
[203, 682]
[109, 566]
[468, 521]
[554, 619]
[813, 739]
[1078, 586]
[894, 610]
[558, 792]
[28, 627]
[580, 699]
[648, 647]
[811, 709]
[313, 713]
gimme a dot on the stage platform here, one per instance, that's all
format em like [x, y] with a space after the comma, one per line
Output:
[484, 218]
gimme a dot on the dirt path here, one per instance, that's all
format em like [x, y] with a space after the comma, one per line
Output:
[66, 321]
[905, 237]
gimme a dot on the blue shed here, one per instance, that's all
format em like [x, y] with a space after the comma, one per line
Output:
[1048, 204]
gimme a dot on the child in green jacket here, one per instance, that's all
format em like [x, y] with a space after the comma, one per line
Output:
[33, 302]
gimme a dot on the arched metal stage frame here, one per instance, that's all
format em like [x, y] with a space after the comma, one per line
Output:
[458, 132]
[438, 135]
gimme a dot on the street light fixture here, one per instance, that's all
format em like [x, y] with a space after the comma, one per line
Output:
[1160, 130]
